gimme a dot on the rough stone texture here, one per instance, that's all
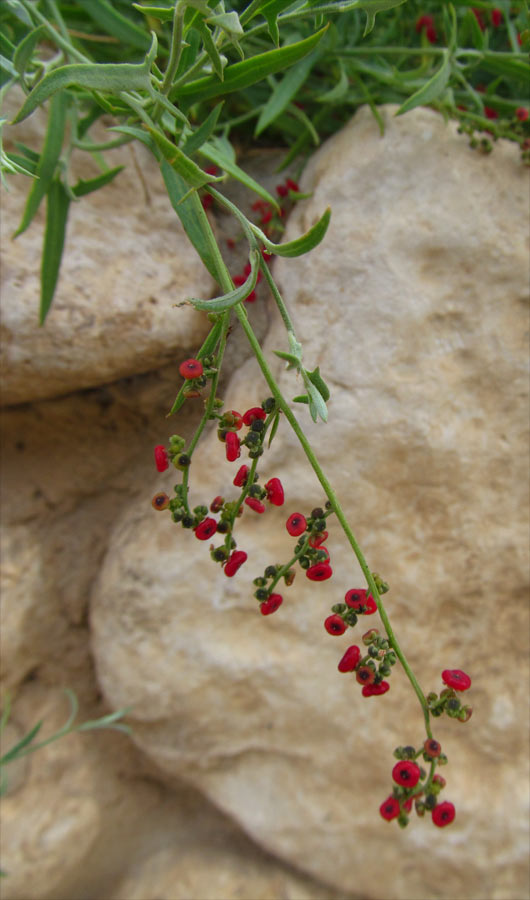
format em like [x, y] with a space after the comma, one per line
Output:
[112, 315]
[427, 263]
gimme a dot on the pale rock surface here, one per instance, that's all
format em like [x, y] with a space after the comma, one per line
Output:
[112, 315]
[414, 307]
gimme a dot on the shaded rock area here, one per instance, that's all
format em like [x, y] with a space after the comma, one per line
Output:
[256, 769]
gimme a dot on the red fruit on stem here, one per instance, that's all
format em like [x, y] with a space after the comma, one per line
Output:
[490, 113]
[161, 458]
[335, 625]
[292, 185]
[317, 539]
[406, 773]
[274, 490]
[359, 600]
[390, 808]
[443, 814]
[255, 412]
[233, 447]
[160, 501]
[319, 572]
[424, 22]
[296, 524]
[191, 368]
[350, 659]
[456, 679]
[521, 113]
[241, 476]
[255, 504]
[375, 690]
[234, 562]
[496, 17]
[271, 604]
[206, 529]
[216, 504]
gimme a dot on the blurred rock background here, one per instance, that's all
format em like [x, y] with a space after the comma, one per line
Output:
[255, 770]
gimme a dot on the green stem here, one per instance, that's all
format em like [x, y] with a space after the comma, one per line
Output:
[335, 505]
[175, 49]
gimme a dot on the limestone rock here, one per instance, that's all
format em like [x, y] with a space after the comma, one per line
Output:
[126, 263]
[413, 308]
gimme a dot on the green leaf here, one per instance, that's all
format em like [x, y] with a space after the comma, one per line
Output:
[210, 46]
[294, 361]
[226, 301]
[270, 10]
[317, 406]
[241, 75]
[372, 7]
[112, 77]
[198, 138]
[57, 205]
[337, 92]
[274, 428]
[284, 92]
[228, 22]
[7, 49]
[300, 245]
[108, 19]
[192, 174]
[27, 739]
[24, 51]
[48, 159]
[163, 13]
[431, 90]
[93, 184]
[194, 221]
[214, 151]
[302, 398]
[316, 378]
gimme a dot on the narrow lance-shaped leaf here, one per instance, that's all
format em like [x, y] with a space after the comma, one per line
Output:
[162, 13]
[192, 174]
[48, 159]
[94, 184]
[27, 739]
[372, 7]
[111, 77]
[431, 90]
[300, 245]
[226, 301]
[214, 152]
[210, 46]
[24, 51]
[316, 378]
[203, 132]
[108, 19]
[56, 218]
[284, 92]
[241, 75]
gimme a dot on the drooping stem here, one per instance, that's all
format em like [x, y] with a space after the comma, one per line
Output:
[335, 505]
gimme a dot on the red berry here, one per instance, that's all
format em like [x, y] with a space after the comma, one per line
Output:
[390, 808]
[478, 17]
[406, 773]
[521, 113]
[456, 679]
[374, 690]
[233, 450]
[191, 368]
[206, 201]
[350, 659]
[496, 17]
[282, 190]
[232, 419]
[211, 170]
[250, 298]
[271, 604]
[490, 113]
[266, 217]
[424, 22]
[432, 748]
[241, 476]
[365, 675]
[239, 280]
[431, 35]
[319, 572]
[255, 504]
[292, 185]
[274, 490]
[205, 529]
[216, 504]
[296, 524]
[233, 563]
[255, 412]
[230, 243]
[161, 458]
[439, 779]
[317, 539]
[362, 602]
[443, 814]
[334, 625]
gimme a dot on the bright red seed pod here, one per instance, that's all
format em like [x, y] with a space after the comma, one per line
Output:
[161, 458]
[317, 539]
[160, 501]
[241, 476]
[266, 256]
[424, 22]
[232, 419]
[443, 814]
[282, 190]
[406, 773]
[206, 529]
[335, 625]
[292, 185]
[211, 170]
[456, 679]
[233, 448]
[390, 808]
[255, 412]
[359, 600]
[239, 280]
[522, 113]
[216, 504]
[275, 493]
[206, 201]
[439, 779]
[490, 113]
[271, 604]
[326, 551]
[296, 524]
[496, 17]
[431, 35]
[319, 572]
[191, 368]
[350, 659]
[266, 217]
[373, 690]
[234, 562]
[255, 504]
[250, 298]
[432, 748]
